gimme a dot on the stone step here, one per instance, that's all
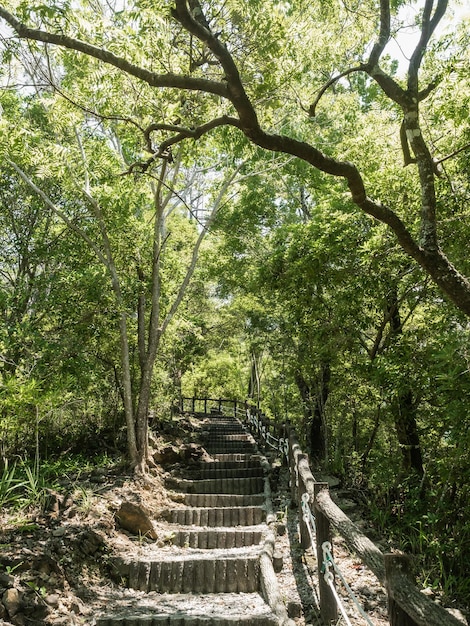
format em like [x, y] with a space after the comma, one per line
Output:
[245, 486]
[229, 436]
[228, 447]
[215, 517]
[204, 573]
[236, 438]
[220, 500]
[223, 425]
[216, 539]
[235, 456]
[247, 609]
[251, 460]
[226, 472]
[226, 419]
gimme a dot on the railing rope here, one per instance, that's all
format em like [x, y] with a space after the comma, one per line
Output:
[309, 520]
[329, 562]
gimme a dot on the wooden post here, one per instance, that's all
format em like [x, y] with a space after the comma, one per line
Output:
[397, 566]
[305, 540]
[294, 474]
[234, 408]
[328, 606]
[285, 435]
[220, 405]
[194, 404]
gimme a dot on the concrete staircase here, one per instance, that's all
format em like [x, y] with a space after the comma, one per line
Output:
[215, 570]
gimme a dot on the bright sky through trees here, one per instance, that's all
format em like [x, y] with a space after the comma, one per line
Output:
[401, 47]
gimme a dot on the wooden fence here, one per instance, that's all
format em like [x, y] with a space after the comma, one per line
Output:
[407, 606]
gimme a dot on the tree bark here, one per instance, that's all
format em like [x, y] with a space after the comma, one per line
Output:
[405, 411]
[314, 402]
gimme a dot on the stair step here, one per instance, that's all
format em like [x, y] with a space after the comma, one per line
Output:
[215, 539]
[234, 456]
[230, 446]
[233, 443]
[201, 574]
[229, 436]
[250, 462]
[224, 426]
[174, 610]
[227, 472]
[216, 517]
[222, 500]
[246, 486]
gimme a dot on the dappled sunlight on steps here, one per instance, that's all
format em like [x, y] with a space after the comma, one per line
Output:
[210, 570]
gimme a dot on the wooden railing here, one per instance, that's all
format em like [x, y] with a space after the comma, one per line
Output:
[406, 604]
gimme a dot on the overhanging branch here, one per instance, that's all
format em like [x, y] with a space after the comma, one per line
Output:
[164, 148]
[151, 78]
[384, 34]
[182, 133]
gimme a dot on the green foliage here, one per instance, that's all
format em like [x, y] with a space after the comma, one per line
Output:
[9, 485]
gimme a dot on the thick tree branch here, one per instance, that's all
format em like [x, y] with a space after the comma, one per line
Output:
[405, 148]
[153, 79]
[428, 26]
[384, 34]
[424, 93]
[164, 149]
[235, 89]
[184, 133]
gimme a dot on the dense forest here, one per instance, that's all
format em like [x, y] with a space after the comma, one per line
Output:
[259, 200]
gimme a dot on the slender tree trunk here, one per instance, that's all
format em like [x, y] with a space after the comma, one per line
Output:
[315, 430]
[314, 408]
[405, 411]
[407, 433]
[252, 379]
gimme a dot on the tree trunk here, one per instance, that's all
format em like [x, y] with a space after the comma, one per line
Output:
[405, 411]
[127, 391]
[314, 408]
[407, 433]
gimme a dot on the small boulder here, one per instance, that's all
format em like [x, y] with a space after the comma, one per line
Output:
[52, 599]
[6, 580]
[90, 542]
[135, 519]
[11, 601]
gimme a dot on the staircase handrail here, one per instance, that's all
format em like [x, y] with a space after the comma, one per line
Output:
[407, 605]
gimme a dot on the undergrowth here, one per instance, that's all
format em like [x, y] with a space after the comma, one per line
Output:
[425, 522]
[25, 483]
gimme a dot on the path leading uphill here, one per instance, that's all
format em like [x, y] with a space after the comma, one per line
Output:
[208, 561]
[216, 569]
